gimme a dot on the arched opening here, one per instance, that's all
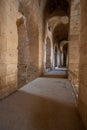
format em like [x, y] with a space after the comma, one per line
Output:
[23, 50]
[60, 35]
[48, 54]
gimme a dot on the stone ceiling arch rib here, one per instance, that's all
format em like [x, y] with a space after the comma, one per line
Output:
[54, 21]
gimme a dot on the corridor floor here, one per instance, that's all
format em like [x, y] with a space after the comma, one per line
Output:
[57, 73]
[43, 104]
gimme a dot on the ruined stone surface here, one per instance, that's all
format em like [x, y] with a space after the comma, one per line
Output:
[8, 47]
[74, 42]
[23, 52]
[35, 36]
[20, 58]
[82, 103]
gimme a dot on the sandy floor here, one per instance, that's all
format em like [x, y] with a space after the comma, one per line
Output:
[44, 104]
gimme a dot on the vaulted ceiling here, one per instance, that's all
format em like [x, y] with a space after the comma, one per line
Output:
[57, 16]
[56, 8]
[60, 33]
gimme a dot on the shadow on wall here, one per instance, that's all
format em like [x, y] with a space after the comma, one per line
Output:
[25, 111]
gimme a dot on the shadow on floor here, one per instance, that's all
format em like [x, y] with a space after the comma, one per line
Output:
[25, 111]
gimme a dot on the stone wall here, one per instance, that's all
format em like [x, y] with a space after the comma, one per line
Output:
[33, 11]
[82, 103]
[74, 42]
[13, 56]
[8, 47]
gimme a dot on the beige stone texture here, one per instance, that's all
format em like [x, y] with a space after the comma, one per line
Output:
[21, 58]
[82, 102]
[74, 42]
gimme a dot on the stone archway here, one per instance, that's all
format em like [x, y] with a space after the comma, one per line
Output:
[48, 54]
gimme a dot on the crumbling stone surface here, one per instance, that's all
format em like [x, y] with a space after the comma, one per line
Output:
[20, 58]
[74, 42]
[82, 103]
[23, 51]
[8, 47]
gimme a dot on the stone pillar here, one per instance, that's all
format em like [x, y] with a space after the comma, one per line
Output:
[74, 42]
[67, 60]
[56, 55]
[58, 58]
[62, 58]
[82, 103]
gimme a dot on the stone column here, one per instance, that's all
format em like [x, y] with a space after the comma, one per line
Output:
[61, 58]
[67, 60]
[74, 41]
[58, 58]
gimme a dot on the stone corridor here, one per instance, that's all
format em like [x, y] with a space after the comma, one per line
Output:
[43, 47]
[43, 104]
